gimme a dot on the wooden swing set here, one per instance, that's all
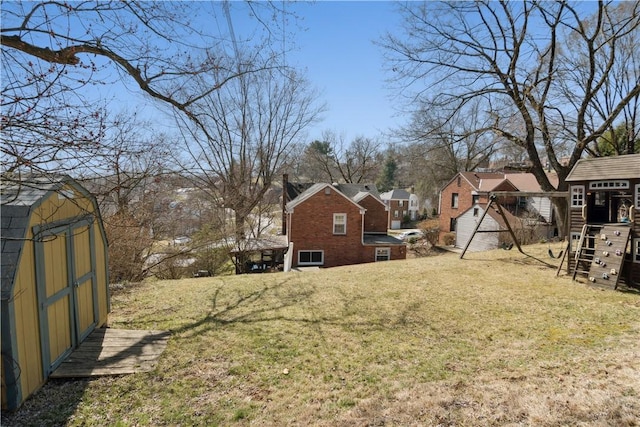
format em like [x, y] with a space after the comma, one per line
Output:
[493, 196]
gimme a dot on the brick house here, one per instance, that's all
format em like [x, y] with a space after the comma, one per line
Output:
[401, 204]
[331, 225]
[471, 190]
[465, 190]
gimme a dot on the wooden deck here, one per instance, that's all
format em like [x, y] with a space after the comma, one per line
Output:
[114, 352]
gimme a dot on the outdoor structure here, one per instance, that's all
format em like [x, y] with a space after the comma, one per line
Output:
[603, 219]
[464, 198]
[54, 279]
[328, 225]
[493, 221]
[401, 204]
[464, 191]
[260, 255]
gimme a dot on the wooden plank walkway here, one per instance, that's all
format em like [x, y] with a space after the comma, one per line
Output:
[109, 351]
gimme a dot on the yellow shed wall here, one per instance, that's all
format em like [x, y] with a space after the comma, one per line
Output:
[27, 325]
[25, 295]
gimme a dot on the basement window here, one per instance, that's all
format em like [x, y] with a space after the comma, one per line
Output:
[310, 257]
[383, 254]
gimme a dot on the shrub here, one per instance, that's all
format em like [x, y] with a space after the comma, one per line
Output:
[449, 239]
[431, 230]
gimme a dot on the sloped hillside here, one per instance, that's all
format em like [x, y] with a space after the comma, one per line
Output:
[494, 339]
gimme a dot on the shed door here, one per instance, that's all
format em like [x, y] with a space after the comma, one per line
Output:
[66, 291]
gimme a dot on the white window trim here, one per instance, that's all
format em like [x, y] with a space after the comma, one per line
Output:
[636, 205]
[609, 185]
[387, 252]
[336, 222]
[636, 251]
[577, 190]
[311, 262]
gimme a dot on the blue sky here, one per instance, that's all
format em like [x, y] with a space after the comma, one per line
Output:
[338, 52]
[334, 46]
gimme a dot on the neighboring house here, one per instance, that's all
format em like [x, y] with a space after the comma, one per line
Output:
[465, 190]
[328, 225]
[414, 207]
[493, 221]
[468, 189]
[54, 279]
[605, 192]
[401, 204]
[526, 182]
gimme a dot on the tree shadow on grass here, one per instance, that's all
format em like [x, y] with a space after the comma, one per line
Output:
[267, 303]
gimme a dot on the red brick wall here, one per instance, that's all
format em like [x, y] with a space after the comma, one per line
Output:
[465, 201]
[394, 205]
[397, 252]
[375, 219]
[311, 228]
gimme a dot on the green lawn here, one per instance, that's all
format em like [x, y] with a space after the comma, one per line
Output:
[494, 339]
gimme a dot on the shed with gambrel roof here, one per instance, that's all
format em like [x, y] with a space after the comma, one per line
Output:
[54, 278]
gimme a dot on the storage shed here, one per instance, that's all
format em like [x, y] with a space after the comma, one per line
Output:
[605, 202]
[488, 236]
[54, 278]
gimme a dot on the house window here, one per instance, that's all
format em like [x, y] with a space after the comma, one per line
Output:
[600, 198]
[476, 211]
[459, 181]
[383, 254]
[577, 196]
[475, 199]
[401, 203]
[452, 224]
[339, 223]
[454, 200]
[310, 257]
[395, 214]
[597, 185]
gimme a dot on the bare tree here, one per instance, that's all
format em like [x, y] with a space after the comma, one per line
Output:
[542, 96]
[240, 135]
[57, 55]
[333, 159]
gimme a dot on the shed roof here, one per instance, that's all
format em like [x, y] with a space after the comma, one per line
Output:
[18, 198]
[598, 168]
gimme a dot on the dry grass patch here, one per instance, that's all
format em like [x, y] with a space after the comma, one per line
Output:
[494, 339]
